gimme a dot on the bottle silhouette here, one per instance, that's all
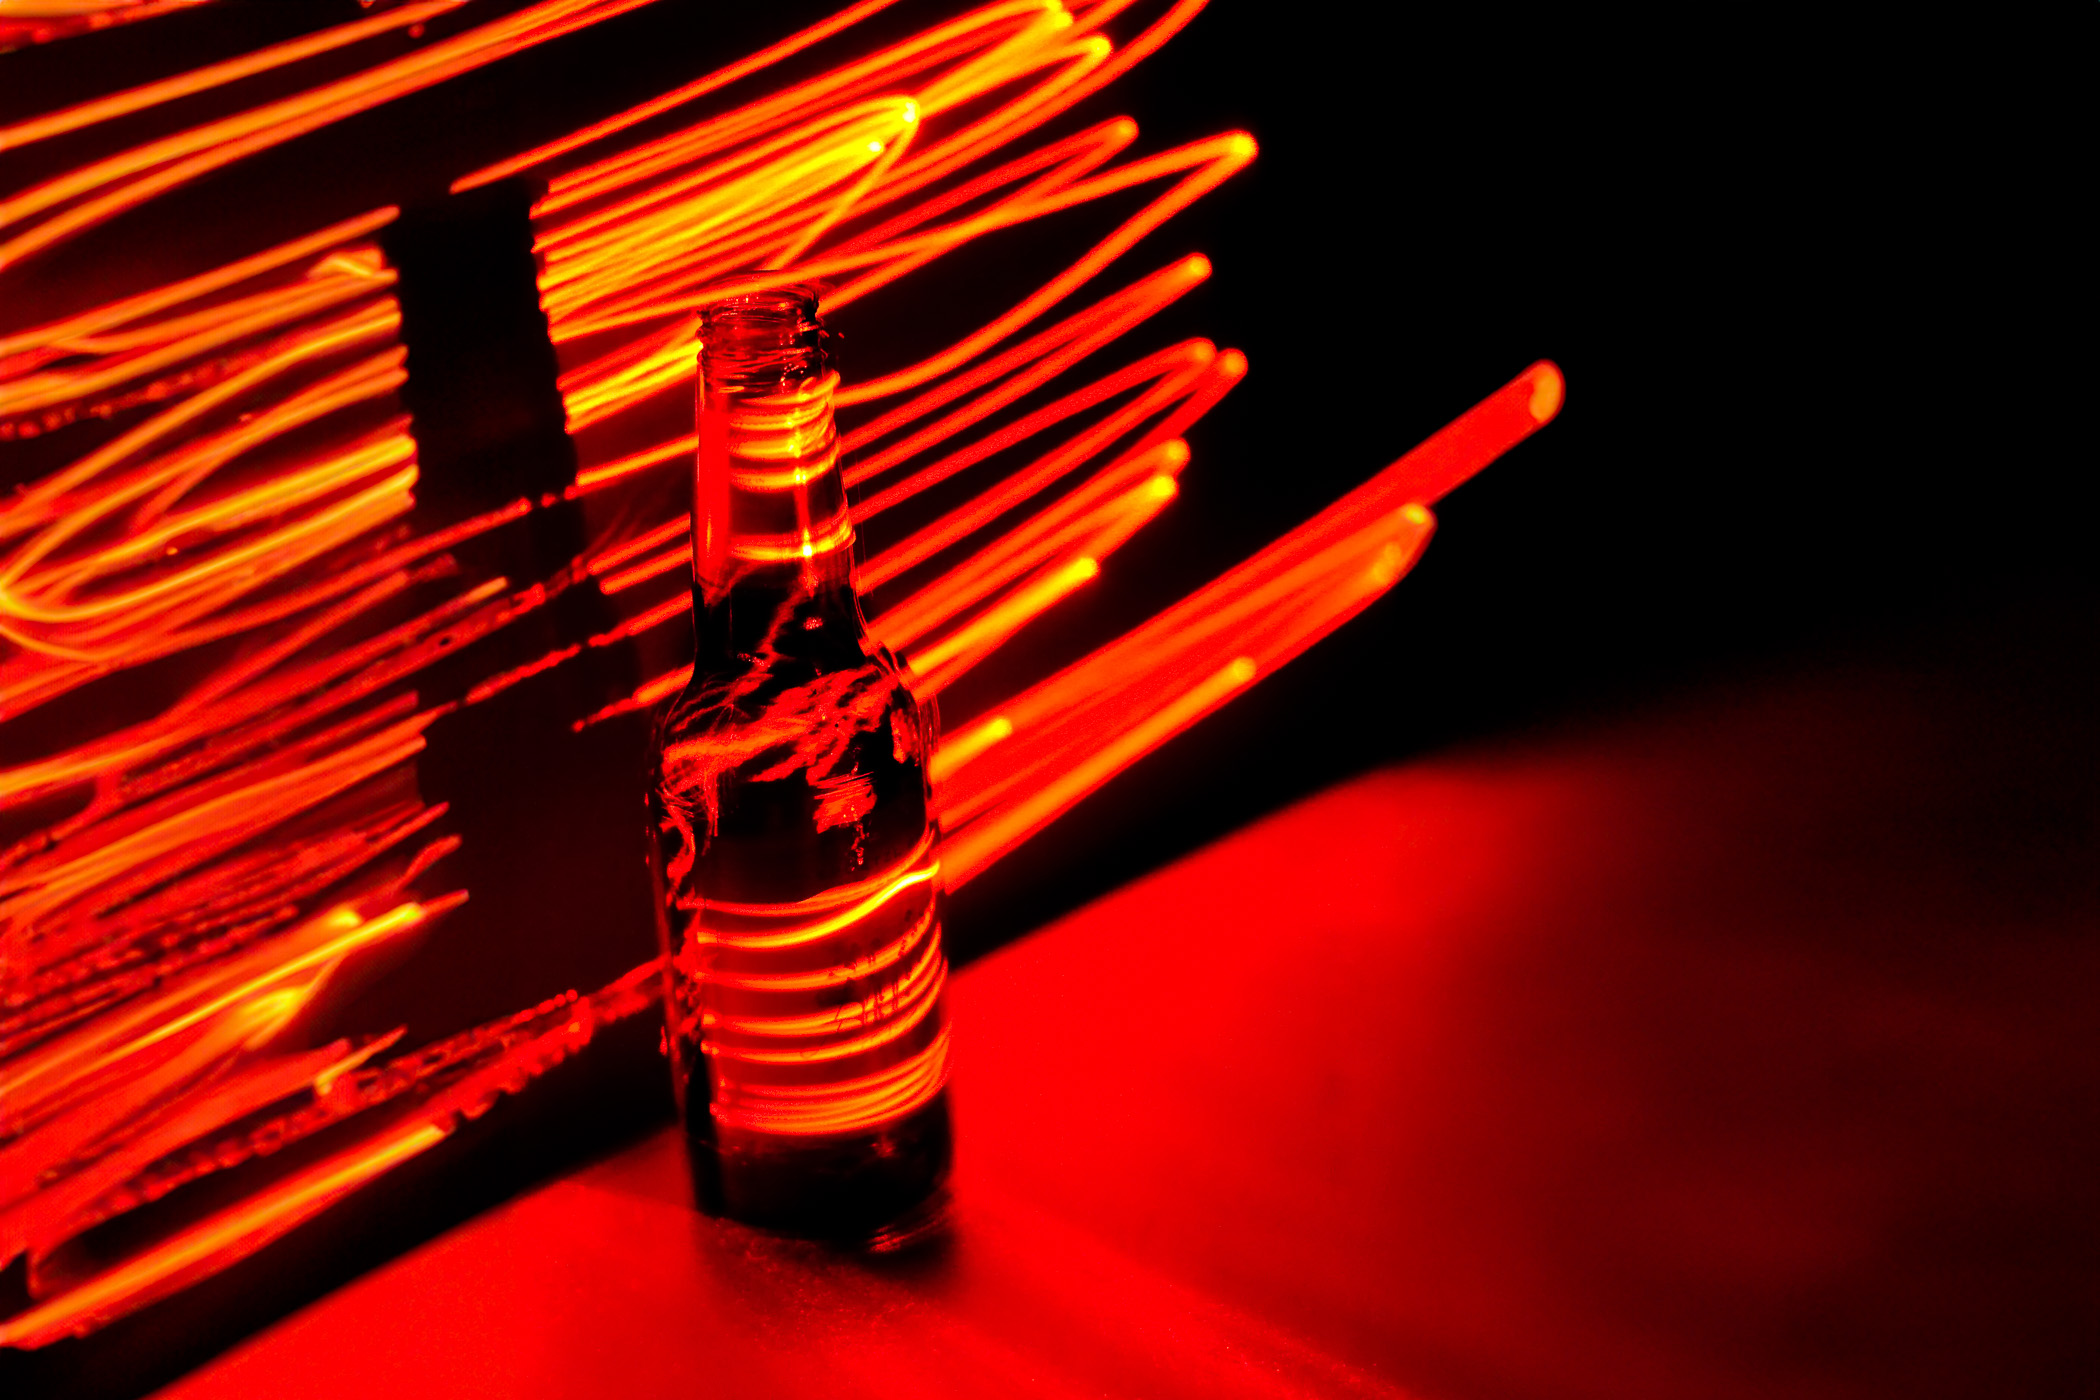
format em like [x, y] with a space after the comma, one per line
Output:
[794, 845]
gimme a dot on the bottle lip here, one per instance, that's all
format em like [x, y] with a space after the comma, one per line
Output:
[801, 297]
[763, 341]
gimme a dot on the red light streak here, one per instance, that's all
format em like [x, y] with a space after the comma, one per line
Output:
[1095, 532]
[175, 341]
[948, 658]
[1203, 166]
[41, 1222]
[667, 362]
[780, 1066]
[1041, 357]
[1030, 364]
[249, 899]
[983, 842]
[66, 1135]
[1173, 368]
[34, 1083]
[74, 202]
[198, 80]
[1185, 368]
[231, 1235]
[1192, 373]
[670, 101]
[1263, 612]
[496, 1059]
[1094, 516]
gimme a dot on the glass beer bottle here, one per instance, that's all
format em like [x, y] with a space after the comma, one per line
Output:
[794, 843]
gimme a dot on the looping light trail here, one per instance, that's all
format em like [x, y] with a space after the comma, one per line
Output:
[218, 860]
[68, 205]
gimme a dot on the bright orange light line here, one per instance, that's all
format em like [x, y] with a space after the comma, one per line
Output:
[253, 890]
[679, 605]
[1057, 96]
[240, 809]
[889, 67]
[670, 532]
[1040, 359]
[79, 853]
[152, 737]
[336, 933]
[888, 154]
[45, 500]
[1217, 159]
[1209, 163]
[386, 498]
[309, 692]
[68, 1131]
[1083, 513]
[1048, 351]
[1212, 385]
[180, 472]
[1086, 328]
[767, 171]
[1097, 702]
[233, 1232]
[917, 1004]
[596, 478]
[678, 97]
[132, 177]
[964, 745]
[981, 843]
[27, 1224]
[187, 338]
[913, 981]
[62, 1209]
[1223, 610]
[845, 1106]
[648, 694]
[19, 699]
[966, 519]
[130, 309]
[198, 80]
[1171, 365]
[940, 664]
[1073, 63]
[1059, 161]
[940, 599]
[1344, 531]
[664, 562]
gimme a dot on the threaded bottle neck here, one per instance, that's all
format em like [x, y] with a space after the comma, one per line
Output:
[768, 501]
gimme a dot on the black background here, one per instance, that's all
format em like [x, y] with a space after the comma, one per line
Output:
[1818, 296]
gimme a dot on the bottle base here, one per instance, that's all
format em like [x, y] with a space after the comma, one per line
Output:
[882, 1190]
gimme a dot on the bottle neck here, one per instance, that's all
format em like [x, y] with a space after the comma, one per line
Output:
[772, 537]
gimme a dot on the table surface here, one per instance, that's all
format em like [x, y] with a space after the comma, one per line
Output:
[1739, 1047]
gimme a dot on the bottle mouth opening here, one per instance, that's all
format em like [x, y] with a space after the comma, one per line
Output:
[762, 341]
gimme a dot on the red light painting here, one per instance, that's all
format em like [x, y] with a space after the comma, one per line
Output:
[193, 877]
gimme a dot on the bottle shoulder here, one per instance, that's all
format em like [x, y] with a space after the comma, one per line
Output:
[783, 794]
[772, 693]
[771, 724]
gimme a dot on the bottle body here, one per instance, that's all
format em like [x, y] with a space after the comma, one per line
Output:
[793, 840]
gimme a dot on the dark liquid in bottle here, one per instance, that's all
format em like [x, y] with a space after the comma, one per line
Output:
[795, 852]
